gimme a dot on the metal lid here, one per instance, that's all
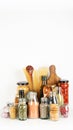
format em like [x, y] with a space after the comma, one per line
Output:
[63, 81]
[22, 83]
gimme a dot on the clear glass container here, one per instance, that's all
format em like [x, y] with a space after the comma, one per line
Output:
[44, 108]
[33, 105]
[54, 112]
[64, 110]
[12, 111]
[64, 84]
[22, 109]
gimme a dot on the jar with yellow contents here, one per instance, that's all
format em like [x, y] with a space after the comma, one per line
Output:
[12, 111]
[23, 85]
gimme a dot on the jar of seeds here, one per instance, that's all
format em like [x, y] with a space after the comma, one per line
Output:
[44, 109]
[22, 109]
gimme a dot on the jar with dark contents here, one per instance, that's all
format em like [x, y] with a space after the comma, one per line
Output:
[44, 108]
[64, 84]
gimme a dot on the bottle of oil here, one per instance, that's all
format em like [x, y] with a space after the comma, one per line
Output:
[44, 83]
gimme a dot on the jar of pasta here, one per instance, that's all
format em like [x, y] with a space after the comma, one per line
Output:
[23, 85]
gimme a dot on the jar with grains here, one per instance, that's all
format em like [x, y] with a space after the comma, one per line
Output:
[23, 85]
[33, 105]
[54, 112]
[22, 109]
[44, 108]
[64, 84]
[12, 111]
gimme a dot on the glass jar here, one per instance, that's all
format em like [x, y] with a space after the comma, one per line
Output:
[23, 85]
[65, 90]
[12, 111]
[64, 110]
[33, 105]
[54, 112]
[22, 109]
[5, 113]
[44, 111]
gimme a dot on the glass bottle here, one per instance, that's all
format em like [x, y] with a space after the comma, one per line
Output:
[44, 83]
[33, 105]
[59, 97]
[22, 107]
[54, 98]
[44, 108]
[50, 98]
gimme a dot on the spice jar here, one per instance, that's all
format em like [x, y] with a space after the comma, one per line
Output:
[5, 113]
[33, 105]
[22, 109]
[64, 110]
[65, 90]
[12, 111]
[44, 108]
[54, 112]
[23, 85]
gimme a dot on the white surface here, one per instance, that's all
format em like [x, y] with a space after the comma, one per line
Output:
[62, 123]
[40, 33]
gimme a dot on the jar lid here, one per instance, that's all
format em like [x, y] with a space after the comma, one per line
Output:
[44, 77]
[22, 83]
[63, 81]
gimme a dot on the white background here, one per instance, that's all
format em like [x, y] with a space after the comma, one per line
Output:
[39, 33]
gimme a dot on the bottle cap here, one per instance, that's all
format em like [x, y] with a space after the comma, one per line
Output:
[44, 77]
[63, 81]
